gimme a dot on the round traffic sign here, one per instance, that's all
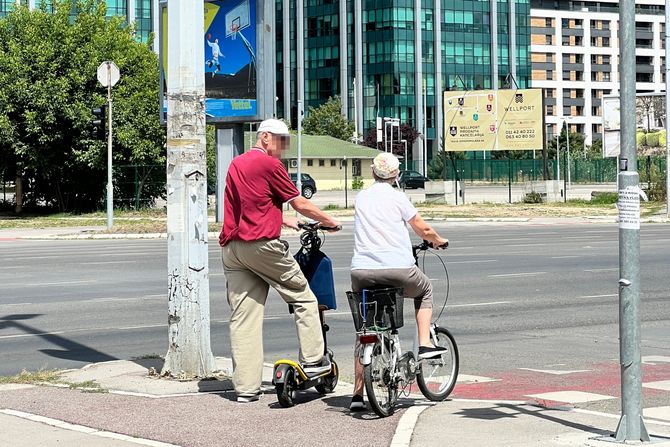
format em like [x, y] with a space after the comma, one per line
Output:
[108, 74]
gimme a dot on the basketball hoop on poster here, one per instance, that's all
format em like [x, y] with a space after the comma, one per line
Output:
[234, 29]
[237, 19]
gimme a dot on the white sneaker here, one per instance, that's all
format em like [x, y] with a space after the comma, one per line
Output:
[248, 398]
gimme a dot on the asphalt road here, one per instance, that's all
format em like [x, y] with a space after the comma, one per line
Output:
[521, 296]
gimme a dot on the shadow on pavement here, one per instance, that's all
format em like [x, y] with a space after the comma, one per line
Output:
[514, 411]
[72, 350]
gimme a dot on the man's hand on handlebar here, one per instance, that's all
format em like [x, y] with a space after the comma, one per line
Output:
[320, 226]
[440, 244]
[291, 222]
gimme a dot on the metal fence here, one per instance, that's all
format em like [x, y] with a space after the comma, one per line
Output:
[497, 170]
[138, 186]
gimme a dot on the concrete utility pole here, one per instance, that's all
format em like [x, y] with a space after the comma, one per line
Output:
[631, 425]
[189, 350]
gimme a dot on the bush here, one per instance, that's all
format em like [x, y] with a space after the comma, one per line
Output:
[652, 139]
[533, 197]
[662, 141]
[641, 139]
[604, 198]
[654, 184]
[357, 183]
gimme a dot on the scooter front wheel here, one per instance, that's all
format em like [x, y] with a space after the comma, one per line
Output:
[330, 381]
[286, 391]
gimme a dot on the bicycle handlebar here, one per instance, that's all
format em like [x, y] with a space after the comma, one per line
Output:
[314, 226]
[425, 245]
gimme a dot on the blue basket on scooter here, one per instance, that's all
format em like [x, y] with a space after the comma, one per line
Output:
[380, 308]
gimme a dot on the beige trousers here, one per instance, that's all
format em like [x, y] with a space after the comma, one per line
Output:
[250, 268]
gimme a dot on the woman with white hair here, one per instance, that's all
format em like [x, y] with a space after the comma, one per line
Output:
[383, 254]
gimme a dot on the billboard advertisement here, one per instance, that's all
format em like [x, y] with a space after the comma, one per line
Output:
[493, 120]
[231, 62]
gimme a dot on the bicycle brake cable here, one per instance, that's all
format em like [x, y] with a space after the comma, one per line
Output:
[446, 274]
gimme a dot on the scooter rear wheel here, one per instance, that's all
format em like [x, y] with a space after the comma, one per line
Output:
[286, 391]
[330, 381]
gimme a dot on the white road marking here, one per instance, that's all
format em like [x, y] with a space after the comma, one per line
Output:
[654, 359]
[43, 284]
[492, 303]
[556, 372]
[662, 413]
[83, 429]
[599, 296]
[565, 257]
[516, 275]
[571, 397]
[602, 270]
[467, 378]
[12, 267]
[472, 262]
[106, 262]
[663, 385]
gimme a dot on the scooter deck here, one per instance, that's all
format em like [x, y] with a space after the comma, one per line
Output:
[298, 368]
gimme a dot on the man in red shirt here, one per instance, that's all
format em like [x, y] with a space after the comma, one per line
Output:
[254, 258]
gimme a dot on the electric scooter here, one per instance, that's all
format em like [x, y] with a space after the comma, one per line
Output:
[288, 376]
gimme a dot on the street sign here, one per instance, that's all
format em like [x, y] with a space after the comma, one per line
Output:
[108, 74]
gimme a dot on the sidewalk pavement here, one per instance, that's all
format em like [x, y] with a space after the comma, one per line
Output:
[131, 406]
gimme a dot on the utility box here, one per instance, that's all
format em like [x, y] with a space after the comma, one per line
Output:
[444, 192]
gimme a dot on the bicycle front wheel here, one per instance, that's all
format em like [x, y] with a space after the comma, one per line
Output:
[380, 383]
[437, 376]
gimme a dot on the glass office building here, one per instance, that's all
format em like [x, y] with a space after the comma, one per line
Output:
[392, 58]
[139, 11]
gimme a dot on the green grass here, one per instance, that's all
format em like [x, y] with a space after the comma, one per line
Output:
[33, 377]
[331, 207]
[88, 386]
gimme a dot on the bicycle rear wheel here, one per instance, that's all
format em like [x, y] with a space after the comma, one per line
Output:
[382, 390]
[437, 376]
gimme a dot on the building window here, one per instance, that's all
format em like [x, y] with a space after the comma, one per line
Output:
[356, 167]
[549, 40]
[322, 163]
[333, 163]
[566, 75]
[550, 75]
[550, 110]
[548, 22]
[310, 162]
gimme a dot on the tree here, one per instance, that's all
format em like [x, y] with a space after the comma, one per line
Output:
[651, 108]
[327, 119]
[48, 86]
[404, 132]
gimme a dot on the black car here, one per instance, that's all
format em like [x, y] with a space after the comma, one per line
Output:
[412, 179]
[308, 184]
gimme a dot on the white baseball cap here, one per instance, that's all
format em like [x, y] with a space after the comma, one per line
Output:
[386, 165]
[274, 126]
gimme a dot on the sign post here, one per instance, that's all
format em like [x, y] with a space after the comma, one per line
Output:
[108, 75]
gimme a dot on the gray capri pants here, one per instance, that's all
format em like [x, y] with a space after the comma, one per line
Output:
[414, 282]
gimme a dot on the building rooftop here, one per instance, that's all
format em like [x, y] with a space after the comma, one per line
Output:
[319, 146]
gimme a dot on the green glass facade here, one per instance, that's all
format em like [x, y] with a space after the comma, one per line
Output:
[390, 78]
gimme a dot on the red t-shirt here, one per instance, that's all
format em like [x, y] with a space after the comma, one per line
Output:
[257, 185]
